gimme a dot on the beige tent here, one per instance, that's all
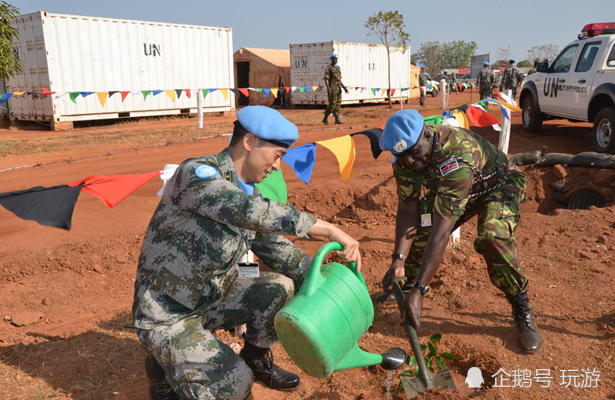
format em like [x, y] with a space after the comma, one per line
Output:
[414, 81]
[265, 69]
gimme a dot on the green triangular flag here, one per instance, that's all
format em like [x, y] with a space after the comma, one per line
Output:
[484, 105]
[145, 93]
[73, 96]
[273, 187]
[259, 91]
[373, 91]
[205, 92]
[434, 120]
[301, 89]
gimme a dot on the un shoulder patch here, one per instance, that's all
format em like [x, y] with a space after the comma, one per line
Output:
[448, 166]
[205, 171]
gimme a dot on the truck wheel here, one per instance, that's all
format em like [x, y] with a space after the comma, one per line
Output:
[603, 133]
[434, 93]
[531, 117]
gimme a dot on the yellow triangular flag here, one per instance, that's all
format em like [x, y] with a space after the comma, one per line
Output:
[19, 93]
[274, 91]
[344, 150]
[225, 93]
[461, 118]
[350, 87]
[314, 88]
[102, 97]
[171, 94]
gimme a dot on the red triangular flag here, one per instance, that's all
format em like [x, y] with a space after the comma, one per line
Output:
[392, 92]
[112, 189]
[46, 92]
[479, 117]
[245, 92]
[187, 91]
[124, 94]
[287, 88]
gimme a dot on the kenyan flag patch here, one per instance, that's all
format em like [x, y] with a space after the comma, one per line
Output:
[449, 166]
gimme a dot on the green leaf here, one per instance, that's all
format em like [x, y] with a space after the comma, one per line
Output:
[412, 360]
[423, 347]
[433, 351]
[428, 364]
[448, 356]
[440, 363]
[435, 338]
[432, 370]
[407, 372]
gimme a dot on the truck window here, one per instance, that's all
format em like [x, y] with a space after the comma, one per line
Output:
[564, 61]
[588, 56]
[610, 62]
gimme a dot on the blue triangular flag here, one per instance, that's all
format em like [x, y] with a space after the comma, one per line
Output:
[5, 97]
[157, 92]
[266, 92]
[86, 94]
[301, 159]
[308, 89]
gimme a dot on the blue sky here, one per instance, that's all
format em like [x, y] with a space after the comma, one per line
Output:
[492, 24]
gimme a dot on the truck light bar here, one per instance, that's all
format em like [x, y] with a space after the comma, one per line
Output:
[603, 28]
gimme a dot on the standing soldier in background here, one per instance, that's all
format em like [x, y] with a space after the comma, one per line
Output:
[333, 82]
[484, 80]
[423, 81]
[511, 78]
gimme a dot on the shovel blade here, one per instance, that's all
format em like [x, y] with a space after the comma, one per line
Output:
[444, 380]
[412, 386]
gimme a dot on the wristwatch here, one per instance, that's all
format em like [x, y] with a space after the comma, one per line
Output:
[397, 256]
[424, 289]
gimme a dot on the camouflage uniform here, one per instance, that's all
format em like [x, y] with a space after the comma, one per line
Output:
[511, 79]
[187, 282]
[333, 75]
[455, 190]
[423, 82]
[484, 80]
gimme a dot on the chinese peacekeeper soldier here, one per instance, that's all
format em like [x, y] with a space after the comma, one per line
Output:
[191, 279]
[462, 176]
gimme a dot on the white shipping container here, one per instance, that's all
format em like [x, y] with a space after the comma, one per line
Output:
[362, 65]
[68, 53]
[4, 110]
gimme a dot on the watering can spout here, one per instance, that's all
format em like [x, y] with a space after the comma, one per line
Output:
[357, 358]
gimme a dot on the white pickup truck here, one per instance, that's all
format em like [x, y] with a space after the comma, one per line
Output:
[579, 86]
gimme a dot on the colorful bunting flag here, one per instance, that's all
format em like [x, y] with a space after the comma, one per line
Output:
[157, 92]
[344, 150]
[266, 92]
[112, 189]
[112, 92]
[374, 140]
[301, 159]
[479, 117]
[178, 93]
[188, 93]
[274, 91]
[245, 92]
[5, 97]
[46, 92]
[102, 97]
[85, 94]
[73, 96]
[434, 120]
[124, 94]
[19, 93]
[308, 88]
[171, 94]
[273, 187]
[314, 88]
[301, 89]
[145, 93]
[287, 89]
[392, 92]
[205, 92]
[224, 93]
[374, 91]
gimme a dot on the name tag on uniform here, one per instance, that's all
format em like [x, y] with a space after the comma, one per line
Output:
[248, 270]
[425, 220]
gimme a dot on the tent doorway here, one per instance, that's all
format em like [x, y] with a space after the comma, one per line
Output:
[243, 80]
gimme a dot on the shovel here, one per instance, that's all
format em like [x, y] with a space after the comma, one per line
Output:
[413, 386]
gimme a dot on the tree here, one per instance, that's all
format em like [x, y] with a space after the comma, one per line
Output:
[389, 26]
[430, 54]
[457, 54]
[525, 64]
[545, 51]
[503, 54]
[10, 64]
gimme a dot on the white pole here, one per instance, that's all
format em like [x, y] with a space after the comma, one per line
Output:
[199, 107]
[443, 94]
[455, 238]
[505, 133]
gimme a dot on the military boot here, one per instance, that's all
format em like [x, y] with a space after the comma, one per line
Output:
[338, 121]
[159, 388]
[261, 363]
[529, 337]
[325, 120]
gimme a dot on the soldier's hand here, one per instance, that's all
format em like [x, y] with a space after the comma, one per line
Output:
[396, 270]
[346, 90]
[414, 308]
[351, 251]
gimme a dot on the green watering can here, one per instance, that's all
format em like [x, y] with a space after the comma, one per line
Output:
[321, 326]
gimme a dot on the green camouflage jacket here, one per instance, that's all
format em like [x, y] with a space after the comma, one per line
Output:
[484, 78]
[511, 77]
[200, 229]
[453, 178]
[333, 76]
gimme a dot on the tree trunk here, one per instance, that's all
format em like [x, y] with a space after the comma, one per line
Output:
[389, 74]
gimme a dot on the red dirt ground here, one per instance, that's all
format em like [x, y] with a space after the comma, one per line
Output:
[81, 282]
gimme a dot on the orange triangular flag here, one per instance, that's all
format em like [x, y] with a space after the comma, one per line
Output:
[287, 88]
[344, 150]
[102, 97]
[275, 92]
[314, 88]
[187, 91]
[124, 94]
[225, 93]
[171, 94]
[20, 93]
[245, 92]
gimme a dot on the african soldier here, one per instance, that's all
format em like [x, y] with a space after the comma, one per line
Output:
[511, 78]
[194, 275]
[484, 80]
[462, 175]
[423, 82]
[333, 82]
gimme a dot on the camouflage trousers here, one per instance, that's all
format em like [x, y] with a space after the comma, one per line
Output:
[485, 92]
[498, 217]
[422, 90]
[199, 366]
[335, 100]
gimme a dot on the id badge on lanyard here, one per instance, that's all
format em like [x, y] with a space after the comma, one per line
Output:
[425, 216]
[247, 268]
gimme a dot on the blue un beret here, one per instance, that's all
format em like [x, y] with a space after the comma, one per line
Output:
[401, 131]
[268, 124]
[511, 61]
[333, 55]
[485, 63]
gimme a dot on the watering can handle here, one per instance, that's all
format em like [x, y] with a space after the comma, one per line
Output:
[313, 277]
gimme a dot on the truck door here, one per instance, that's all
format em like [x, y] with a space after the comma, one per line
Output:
[579, 86]
[551, 99]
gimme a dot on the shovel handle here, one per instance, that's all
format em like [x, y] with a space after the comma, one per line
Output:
[414, 337]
